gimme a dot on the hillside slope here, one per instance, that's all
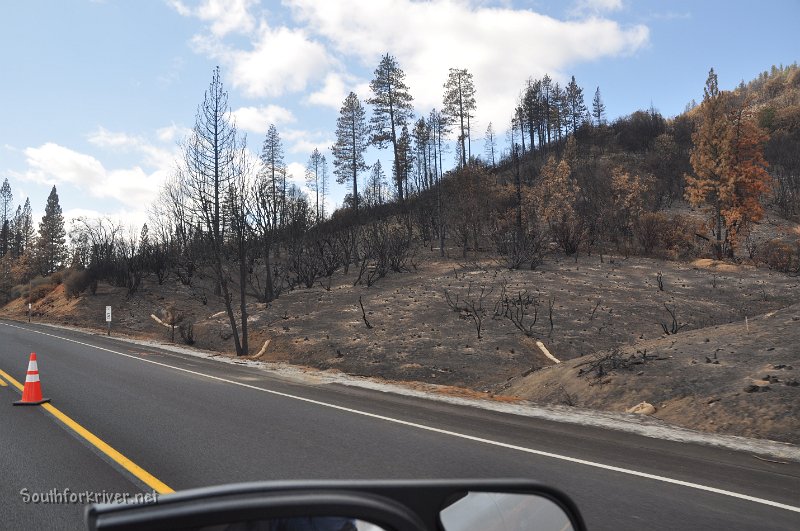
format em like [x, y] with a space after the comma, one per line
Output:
[598, 306]
[738, 378]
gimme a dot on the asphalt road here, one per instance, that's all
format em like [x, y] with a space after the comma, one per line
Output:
[191, 422]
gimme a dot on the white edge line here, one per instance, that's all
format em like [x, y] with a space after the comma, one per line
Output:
[439, 430]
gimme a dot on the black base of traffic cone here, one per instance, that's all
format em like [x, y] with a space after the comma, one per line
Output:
[21, 403]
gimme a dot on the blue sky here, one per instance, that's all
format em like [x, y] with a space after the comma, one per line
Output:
[97, 93]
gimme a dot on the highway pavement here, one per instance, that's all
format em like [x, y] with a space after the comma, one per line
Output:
[182, 422]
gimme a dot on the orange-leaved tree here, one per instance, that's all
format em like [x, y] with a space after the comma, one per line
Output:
[558, 195]
[728, 162]
[747, 168]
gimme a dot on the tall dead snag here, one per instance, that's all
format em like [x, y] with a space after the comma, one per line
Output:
[216, 167]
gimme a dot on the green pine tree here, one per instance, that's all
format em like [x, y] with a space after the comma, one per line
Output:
[51, 247]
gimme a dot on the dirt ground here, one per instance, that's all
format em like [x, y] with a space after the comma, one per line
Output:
[597, 306]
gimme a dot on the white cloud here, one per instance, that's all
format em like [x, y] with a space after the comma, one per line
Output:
[281, 60]
[153, 155]
[336, 87]
[278, 60]
[171, 133]
[224, 16]
[332, 93]
[102, 137]
[257, 119]
[595, 7]
[300, 141]
[53, 164]
[296, 173]
[501, 47]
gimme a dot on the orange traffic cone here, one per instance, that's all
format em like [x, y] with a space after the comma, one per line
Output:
[32, 393]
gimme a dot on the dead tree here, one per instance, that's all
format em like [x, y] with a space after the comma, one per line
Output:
[363, 313]
[522, 310]
[471, 306]
[216, 168]
[674, 327]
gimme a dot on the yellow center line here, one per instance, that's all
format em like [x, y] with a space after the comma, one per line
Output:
[3, 383]
[12, 380]
[140, 473]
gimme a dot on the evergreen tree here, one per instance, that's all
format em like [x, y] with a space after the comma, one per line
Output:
[15, 238]
[576, 107]
[421, 135]
[376, 185]
[490, 145]
[274, 171]
[25, 228]
[351, 143]
[6, 199]
[22, 230]
[558, 110]
[51, 247]
[532, 110]
[405, 162]
[392, 108]
[459, 106]
[313, 176]
[547, 108]
[598, 108]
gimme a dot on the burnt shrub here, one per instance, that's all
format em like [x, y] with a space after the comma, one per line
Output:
[781, 256]
[679, 237]
[40, 291]
[517, 249]
[76, 281]
[650, 229]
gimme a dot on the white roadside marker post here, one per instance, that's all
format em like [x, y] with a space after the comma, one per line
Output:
[108, 319]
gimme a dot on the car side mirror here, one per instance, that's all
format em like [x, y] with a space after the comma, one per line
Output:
[457, 505]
